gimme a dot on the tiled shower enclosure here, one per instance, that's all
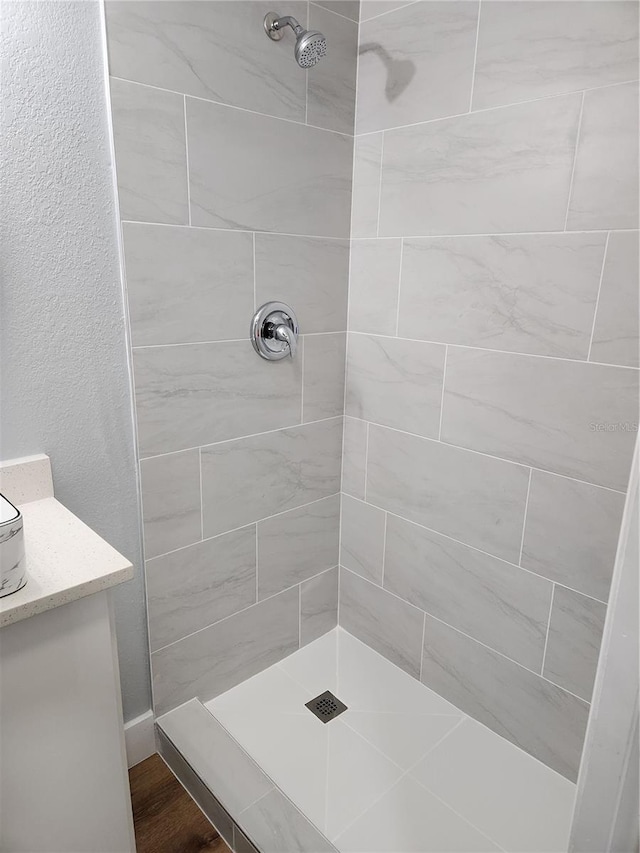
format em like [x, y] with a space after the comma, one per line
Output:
[449, 201]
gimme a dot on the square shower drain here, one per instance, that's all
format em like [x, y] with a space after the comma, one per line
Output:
[325, 706]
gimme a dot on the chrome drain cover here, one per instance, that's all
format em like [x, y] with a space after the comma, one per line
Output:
[326, 706]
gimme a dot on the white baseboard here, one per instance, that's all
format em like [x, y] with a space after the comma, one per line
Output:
[139, 738]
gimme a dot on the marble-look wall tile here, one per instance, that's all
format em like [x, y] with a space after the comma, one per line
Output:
[347, 8]
[530, 49]
[501, 606]
[331, 90]
[310, 274]
[362, 538]
[199, 585]
[470, 497]
[575, 633]
[605, 181]
[251, 478]
[354, 457]
[536, 715]
[416, 64]
[367, 158]
[373, 286]
[192, 47]
[267, 174]
[571, 533]
[390, 626]
[318, 606]
[244, 644]
[151, 154]
[534, 293]
[187, 284]
[549, 413]
[170, 501]
[294, 546]
[372, 8]
[395, 382]
[200, 393]
[615, 335]
[500, 170]
[323, 376]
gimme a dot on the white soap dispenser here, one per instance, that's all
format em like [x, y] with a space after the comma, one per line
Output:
[12, 563]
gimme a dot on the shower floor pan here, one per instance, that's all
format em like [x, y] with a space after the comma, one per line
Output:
[401, 770]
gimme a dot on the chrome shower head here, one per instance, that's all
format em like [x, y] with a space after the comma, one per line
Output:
[311, 46]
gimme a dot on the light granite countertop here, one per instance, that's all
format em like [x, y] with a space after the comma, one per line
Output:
[65, 559]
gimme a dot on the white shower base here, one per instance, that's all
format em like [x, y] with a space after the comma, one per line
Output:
[402, 769]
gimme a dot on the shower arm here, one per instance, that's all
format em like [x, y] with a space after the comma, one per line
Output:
[288, 21]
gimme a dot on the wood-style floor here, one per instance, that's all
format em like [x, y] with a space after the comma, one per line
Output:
[165, 818]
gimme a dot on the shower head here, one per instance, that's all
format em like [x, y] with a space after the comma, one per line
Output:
[311, 45]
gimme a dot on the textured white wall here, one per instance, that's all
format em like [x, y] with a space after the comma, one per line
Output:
[65, 379]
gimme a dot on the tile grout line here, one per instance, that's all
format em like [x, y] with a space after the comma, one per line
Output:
[524, 517]
[257, 568]
[444, 376]
[300, 615]
[468, 636]
[424, 631]
[388, 12]
[546, 639]
[495, 107]
[597, 305]
[384, 547]
[186, 147]
[332, 12]
[523, 465]
[239, 438]
[255, 292]
[228, 340]
[475, 58]
[201, 500]
[302, 349]
[366, 461]
[575, 160]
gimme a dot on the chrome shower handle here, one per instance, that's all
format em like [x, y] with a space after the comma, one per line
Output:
[285, 333]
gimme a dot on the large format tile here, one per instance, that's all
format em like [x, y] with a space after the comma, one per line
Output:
[410, 819]
[502, 606]
[470, 497]
[200, 393]
[223, 766]
[331, 90]
[151, 154]
[201, 584]
[171, 513]
[244, 644]
[367, 157]
[278, 825]
[323, 377]
[390, 626]
[514, 799]
[575, 633]
[537, 716]
[373, 286]
[605, 182]
[318, 606]
[395, 382]
[500, 170]
[267, 174]
[530, 49]
[347, 8]
[251, 478]
[187, 284]
[534, 293]
[571, 533]
[372, 8]
[615, 334]
[416, 64]
[191, 47]
[550, 413]
[311, 274]
[362, 538]
[297, 544]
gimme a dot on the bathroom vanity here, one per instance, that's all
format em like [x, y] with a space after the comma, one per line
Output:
[63, 773]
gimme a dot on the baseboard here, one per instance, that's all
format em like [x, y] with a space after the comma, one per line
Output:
[139, 738]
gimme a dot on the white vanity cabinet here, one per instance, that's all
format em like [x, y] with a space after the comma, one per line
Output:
[63, 771]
